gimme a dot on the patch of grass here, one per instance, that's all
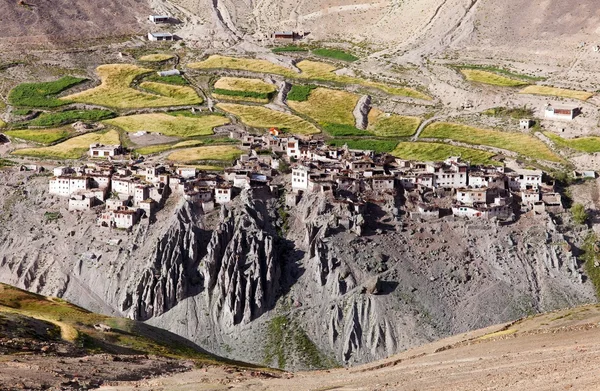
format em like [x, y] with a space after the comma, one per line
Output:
[262, 117]
[422, 151]
[311, 70]
[582, 144]
[116, 91]
[501, 71]
[177, 80]
[21, 112]
[6, 163]
[238, 88]
[289, 48]
[42, 94]
[328, 106]
[42, 136]
[520, 143]
[510, 112]
[73, 148]
[300, 93]
[392, 125]
[340, 130]
[560, 92]
[224, 153]
[335, 54]
[158, 57]
[70, 116]
[491, 78]
[379, 146]
[52, 216]
[169, 125]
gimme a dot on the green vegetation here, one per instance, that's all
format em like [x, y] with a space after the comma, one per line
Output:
[153, 149]
[520, 143]
[289, 48]
[177, 80]
[158, 57]
[506, 112]
[42, 94]
[378, 146]
[264, 118]
[116, 91]
[591, 255]
[560, 92]
[580, 215]
[70, 116]
[42, 136]
[52, 216]
[300, 93]
[2, 124]
[21, 112]
[501, 71]
[491, 78]
[422, 151]
[169, 125]
[340, 130]
[392, 125]
[240, 88]
[582, 144]
[286, 339]
[328, 106]
[223, 153]
[243, 94]
[73, 148]
[335, 54]
[6, 163]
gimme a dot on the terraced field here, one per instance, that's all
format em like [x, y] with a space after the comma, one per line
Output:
[73, 148]
[520, 143]
[262, 117]
[152, 149]
[221, 153]
[582, 144]
[424, 151]
[243, 89]
[169, 125]
[116, 90]
[392, 125]
[41, 136]
[560, 92]
[157, 57]
[491, 78]
[325, 105]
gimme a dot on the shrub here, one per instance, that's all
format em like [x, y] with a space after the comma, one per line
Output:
[42, 94]
[300, 93]
[579, 213]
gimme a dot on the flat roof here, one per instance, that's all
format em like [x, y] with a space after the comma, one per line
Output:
[161, 34]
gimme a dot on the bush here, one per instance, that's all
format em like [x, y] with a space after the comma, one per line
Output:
[42, 94]
[300, 93]
[579, 213]
[70, 116]
[336, 54]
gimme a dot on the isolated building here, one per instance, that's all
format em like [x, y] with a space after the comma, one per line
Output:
[170, 72]
[161, 37]
[561, 113]
[159, 18]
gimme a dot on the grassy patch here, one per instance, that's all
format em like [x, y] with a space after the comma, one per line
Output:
[560, 92]
[311, 70]
[70, 116]
[328, 106]
[177, 80]
[239, 88]
[158, 57]
[506, 112]
[42, 94]
[224, 153]
[21, 112]
[340, 130]
[42, 136]
[501, 71]
[169, 125]
[6, 163]
[520, 143]
[73, 148]
[438, 152]
[116, 91]
[491, 78]
[335, 54]
[392, 125]
[289, 48]
[262, 117]
[378, 146]
[582, 144]
[300, 93]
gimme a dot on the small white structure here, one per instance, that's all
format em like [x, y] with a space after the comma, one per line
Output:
[471, 196]
[170, 72]
[161, 37]
[186, 172]
[159, 18]
[223, 194]
[300, 178]
[100, 150]
[525, 124]
[81, 203]
[66, 185]
[561, 113]
[60, 171]
[525, 179]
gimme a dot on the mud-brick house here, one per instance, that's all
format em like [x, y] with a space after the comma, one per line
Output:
[471, 196]
[382, 183]
[524, 179]
[159, 19]
[101, 151]
[426, 212]
[284, 35]
[223, 194]
[300, 178]
[561, 113]
[125, 219]
[80, 202]
[67, 185]
[186, 172]
[160, 37]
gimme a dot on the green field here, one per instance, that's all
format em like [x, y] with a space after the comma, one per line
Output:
[152, 149]
[42, 95]
[502, 71]
[335, 54]
[520, 143]
[262, 117]
[560, 92]
[169, 125]
[116, 90]
[73, 148]
[311, 70]
[378, 146]
[421, 151]
[392, 125]
[300, 93]
[70, 116]
[239, 88]
[224, 153]
[581, 144]
[158, 57]
[491, 78]
[177, 80]
[341, 130]
[42, 136]
[328, 106]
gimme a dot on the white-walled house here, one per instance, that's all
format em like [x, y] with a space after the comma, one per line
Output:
[300, 178]
[67, 185]
[223, 194]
